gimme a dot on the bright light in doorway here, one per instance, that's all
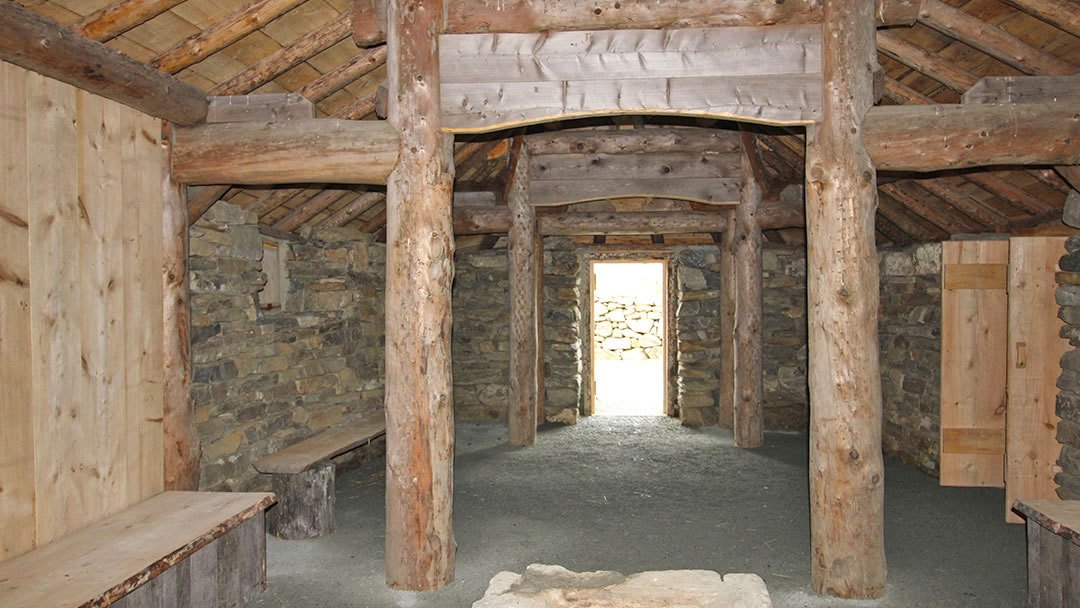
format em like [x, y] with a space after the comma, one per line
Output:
[628, 338]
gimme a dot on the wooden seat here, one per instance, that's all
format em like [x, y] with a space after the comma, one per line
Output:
[303, 477]
[169, 550]
[1053, 551]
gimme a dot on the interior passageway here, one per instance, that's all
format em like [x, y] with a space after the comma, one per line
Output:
[633, 494]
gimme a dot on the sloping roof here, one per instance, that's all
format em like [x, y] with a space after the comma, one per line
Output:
[922, 65]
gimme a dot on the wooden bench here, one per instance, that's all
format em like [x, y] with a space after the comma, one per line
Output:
[303, 477]
[174, 550]
[1053, 551]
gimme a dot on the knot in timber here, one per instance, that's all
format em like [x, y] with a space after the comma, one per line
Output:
[853, 454]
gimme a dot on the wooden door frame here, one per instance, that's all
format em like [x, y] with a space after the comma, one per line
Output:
[664, 258]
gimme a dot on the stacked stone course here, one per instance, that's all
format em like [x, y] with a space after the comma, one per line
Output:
[628, 329]
[263, 379]
[1068, 399]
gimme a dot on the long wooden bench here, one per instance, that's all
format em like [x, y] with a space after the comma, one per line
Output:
[1053, 552]
[303, 477]
[174, 550]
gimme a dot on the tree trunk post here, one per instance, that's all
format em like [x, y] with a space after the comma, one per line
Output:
[846, 469]
[420, 543]
[305, 504]
[728, 303]
[749, 420]
[178, 420]
[521, 414]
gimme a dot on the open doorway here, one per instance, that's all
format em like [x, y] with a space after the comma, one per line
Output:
[629, 338]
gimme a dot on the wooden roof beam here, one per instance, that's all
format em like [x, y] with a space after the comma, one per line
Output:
[220, 35]
[353, 210]
[283, 59]
[285, 152]
[939, 137]
[916, 227]
[967, 205]
[1055, 12]
[992, 40]
[485, 220]
[907, 195]
[44, 46]
[309, 209]
[340, 77]
[1011, 193]
[925, 62]
[117, 18]
[527, 16]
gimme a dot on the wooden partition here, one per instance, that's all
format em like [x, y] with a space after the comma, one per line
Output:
[80, 309]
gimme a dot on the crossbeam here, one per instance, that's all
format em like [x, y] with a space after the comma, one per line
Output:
[323, 150]
[766, 75]
[525, 16]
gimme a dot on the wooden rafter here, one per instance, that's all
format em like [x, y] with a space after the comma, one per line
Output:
[353, 210]
[925, 62]
[276, 63]
[1055, 12]
[44, 46]
[991, 40]
[344, 74]
[971, 207]
[1011, 193]
[117, 18]
[199, 46]
[309, 209]
[908, 195]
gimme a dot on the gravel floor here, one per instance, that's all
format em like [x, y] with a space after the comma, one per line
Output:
[634, 494]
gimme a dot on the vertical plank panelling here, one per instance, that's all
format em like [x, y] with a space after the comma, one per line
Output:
[148, 152]
[61, 471]
[141, 150]
[16, 417]
[81, 309]
[973, 338]
[98, 181]
[1034, 350]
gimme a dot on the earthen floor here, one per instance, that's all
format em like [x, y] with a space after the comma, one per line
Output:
[635, 494]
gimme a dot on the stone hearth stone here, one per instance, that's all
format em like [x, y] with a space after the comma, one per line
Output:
[545, 586]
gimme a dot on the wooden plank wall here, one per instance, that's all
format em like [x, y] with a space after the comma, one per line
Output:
[80, 309]
[974, 309]
[1035, 348]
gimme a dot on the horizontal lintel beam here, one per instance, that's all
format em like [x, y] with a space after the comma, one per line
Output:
[324, 150]
[941, 137]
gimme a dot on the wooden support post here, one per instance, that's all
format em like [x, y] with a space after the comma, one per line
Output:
[846, 469]
[521, 414]
[420, 543]
[728, 303]
[749, 419]
[181, 437]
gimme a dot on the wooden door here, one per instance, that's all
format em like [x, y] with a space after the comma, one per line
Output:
[974, 309]
[1035, 349]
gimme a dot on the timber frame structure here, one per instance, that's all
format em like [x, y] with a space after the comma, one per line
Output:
[901, 120]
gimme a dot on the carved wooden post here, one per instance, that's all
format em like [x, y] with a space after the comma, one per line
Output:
[728, 304]
[420, 543]
[749, 424]
[522, 415]
[846, 471]
[178, 421]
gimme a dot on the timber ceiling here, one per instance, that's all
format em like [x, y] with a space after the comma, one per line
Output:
[933, 61]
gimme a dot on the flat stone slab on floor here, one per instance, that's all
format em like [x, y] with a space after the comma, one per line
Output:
[544, 586]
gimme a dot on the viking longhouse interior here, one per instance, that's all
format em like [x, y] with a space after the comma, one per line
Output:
[546, 303]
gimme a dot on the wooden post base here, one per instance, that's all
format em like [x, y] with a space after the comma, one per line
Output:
[305, 504]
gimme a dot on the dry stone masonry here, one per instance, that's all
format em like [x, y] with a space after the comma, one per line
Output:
[628, 329]
[909, 336]
[263, 379]
[1068, 400]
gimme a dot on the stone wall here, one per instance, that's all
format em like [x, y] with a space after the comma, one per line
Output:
[263, 379]
[1068, 399]
[563, 299]
[481, 334]
[628, 329]
[697, 326]
[909, 335]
